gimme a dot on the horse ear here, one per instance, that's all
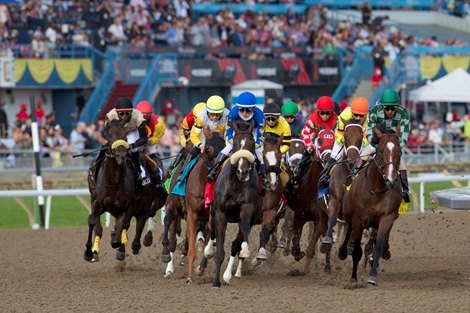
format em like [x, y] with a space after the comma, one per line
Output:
[378, 132]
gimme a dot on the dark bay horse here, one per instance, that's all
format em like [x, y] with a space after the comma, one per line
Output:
[305, 205]
[194, 208]
[353, 139]
[373, 201]
[236, 201]
[112, 191]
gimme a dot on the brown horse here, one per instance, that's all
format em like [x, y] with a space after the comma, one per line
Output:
[194, 208]
[373, 201]
[307, 209]
[112, 190]
[236, 201]
[353, 139]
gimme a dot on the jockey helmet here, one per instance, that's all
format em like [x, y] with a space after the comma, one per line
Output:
[124, 104]
[145, 107]
[390, 98]
[289, 108]
[246, 100]
[272, 109]
[360, 106]
[215, 104]
[325, 103]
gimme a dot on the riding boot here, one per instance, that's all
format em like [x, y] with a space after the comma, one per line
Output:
[324, 179]
[215, 168]
[175, 162]
[357, 166]
[157, 174]
[136, 161]
[186, 161]
[404, 183]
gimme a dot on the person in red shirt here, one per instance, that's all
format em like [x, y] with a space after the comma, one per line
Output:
[39, 112]
[22, 115]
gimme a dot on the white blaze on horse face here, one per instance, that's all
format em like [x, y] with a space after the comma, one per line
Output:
[240, 169]
[271, 158]
[390, 146]
[242, 143]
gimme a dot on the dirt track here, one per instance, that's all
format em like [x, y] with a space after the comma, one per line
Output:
[44, 271]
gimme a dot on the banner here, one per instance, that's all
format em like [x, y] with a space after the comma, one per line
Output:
[7, 72]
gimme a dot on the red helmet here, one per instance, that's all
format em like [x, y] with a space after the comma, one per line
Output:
[325, 103]
[145, 107]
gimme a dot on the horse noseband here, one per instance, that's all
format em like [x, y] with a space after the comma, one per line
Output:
[272, 169]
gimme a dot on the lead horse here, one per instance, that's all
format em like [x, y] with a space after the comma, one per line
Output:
[373, 201]
[236, 201]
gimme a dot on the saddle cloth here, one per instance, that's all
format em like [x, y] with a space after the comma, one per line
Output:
[180, 186]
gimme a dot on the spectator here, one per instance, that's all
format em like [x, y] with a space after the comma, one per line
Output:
[22, 115]
[366, 11]
[3, 120]
[78, 137]
[39, 112]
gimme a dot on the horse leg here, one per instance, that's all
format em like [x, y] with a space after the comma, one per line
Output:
[245, 224]
[148, 239]
[286, 228]
[120, 239]
[343, 249]
[167, 222]
[323, 225]
[289, 231]
[92, 220]
[334, 206]
[191, 221]
[266, 230]
[313, 236]
[209, 249]
[139, 228]
[357, 250]
[385, 226]
[296, 252]
[98, 229]
[369, 247]
[235, 249]
[220, 223]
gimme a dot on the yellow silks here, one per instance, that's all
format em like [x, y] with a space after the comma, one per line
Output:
[430, 66]
[124, 237]
[68, 69]
[20, 67]
[452, 62]
[96, 245]
[40, 69]
[87, 68]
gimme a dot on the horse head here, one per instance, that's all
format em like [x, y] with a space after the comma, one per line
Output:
[244, 148]
[116, 135]
[272, 159]
[215, 142]
[324, 144]
[296, 151]
[353, 138]
[388, 155]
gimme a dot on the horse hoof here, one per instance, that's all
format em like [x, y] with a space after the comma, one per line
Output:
[95, 257]
[372, 281]
[386, 255]
[189, 281]
[342, 256]
[120, 256]
[286, 252]
[168, 275]
[216, 285]
[282, 244]
[148, 239]
[244, 254]
[88, 256]
[200, 270]
[135, 251]
[299, 256]
[208, 256]
[325, 247]
[327, 240]
[165, 258]
[353, 281]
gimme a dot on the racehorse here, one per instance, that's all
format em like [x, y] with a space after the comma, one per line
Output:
[272, 204]
[194, 207]
[236, 201]
[112, 191]
[373, 201]
[353, 139]
[307, 209]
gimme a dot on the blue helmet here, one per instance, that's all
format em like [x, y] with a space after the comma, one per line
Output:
[246, 100]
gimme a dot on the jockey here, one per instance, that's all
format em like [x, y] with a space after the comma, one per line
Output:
[290, 111]
[246, 110]
[391, 114]
[155, 130]
[186, 126]
[277, 125]
[134, 122]
[213, 115]
[357, 111]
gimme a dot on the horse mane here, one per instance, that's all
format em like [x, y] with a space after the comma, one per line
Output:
[354, 121]
[216, 141]
[272, 139]
[242, 126]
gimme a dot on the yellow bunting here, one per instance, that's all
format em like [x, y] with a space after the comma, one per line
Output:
[20, 67]
[124, 237]
[68, 69]
[430, 66]
[96, 245]
[87, 68]
[403, 207]
[452, 62]
[41, 69]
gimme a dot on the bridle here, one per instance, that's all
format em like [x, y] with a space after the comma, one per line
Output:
[379, 154]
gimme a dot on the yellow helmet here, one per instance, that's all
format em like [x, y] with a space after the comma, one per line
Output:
[215, 104]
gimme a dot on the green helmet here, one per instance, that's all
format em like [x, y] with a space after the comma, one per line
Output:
[289, 108]
[389, 98]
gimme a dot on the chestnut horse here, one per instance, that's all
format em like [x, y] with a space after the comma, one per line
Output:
[236, 201]
[373, 201]
[307, 209]
[353, 139]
